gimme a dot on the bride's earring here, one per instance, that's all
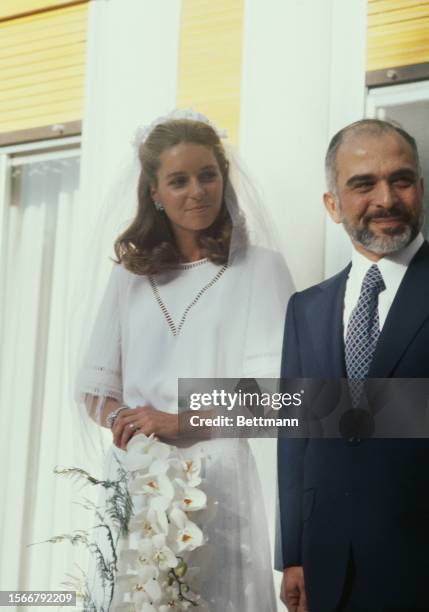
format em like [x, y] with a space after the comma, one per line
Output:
[159, 207]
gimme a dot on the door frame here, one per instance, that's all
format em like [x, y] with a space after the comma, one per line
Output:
[395, 94]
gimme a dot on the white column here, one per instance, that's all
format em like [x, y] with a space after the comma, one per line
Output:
[131, 74]
[303, 77]
[347, 101]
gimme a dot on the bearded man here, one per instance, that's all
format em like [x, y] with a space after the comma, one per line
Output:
[355, 512]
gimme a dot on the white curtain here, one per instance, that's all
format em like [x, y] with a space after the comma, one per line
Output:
[35, 417]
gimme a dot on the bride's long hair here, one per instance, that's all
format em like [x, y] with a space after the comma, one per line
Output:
[148, 245]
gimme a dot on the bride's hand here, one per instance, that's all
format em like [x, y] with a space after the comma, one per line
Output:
[144, 419]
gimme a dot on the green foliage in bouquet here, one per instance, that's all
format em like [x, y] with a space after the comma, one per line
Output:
[113, 522]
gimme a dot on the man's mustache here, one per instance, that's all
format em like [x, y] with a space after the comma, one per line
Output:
[394, 212]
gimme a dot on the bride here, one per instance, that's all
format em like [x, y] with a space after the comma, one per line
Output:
[192, 296]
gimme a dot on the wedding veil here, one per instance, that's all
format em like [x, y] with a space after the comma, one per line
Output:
[242, 199]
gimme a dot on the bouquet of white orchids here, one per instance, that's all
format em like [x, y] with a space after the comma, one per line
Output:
[153, 562]
[147, 564]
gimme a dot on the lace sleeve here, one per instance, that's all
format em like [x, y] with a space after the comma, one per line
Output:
[100, 373]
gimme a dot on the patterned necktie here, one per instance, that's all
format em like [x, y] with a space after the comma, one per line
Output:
[362, 332]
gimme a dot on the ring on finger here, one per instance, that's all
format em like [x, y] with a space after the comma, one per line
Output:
[132, 426]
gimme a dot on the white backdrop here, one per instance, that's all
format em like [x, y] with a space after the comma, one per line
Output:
[303, 79]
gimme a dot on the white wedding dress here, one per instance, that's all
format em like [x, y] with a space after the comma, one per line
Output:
[233, 327]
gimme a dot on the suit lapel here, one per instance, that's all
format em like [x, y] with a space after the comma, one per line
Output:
[409, 310]
[325, 320]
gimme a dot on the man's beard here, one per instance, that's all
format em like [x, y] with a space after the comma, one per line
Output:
[391, 240]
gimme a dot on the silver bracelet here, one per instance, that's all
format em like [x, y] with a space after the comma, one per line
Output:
[111, 417]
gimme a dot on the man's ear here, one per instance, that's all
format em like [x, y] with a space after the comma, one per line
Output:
[332, 206]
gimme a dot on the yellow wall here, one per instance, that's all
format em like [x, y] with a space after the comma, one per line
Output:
[17, 7]
[42, 60]
[209, 71]
[398, 33]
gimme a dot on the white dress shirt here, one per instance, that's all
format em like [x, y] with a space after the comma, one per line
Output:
[392, 268]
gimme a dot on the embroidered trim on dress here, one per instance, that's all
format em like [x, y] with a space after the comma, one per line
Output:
[100, 381]
[176, 330]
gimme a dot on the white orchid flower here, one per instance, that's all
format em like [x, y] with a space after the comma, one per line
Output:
[155, 552]
[152, 520]
[165, 558]
[192, 471]
[142, 451]
[160, 466]
[152, 484]
[188, 466]
[147, 589]
[145, 552]
[152, 552]
[157, 512]
[141, 523]
[143, 586]
[149, 445]
[188, 536]
[135, 460]
[192, 499]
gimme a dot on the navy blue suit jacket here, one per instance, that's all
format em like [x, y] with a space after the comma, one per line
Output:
[369, 495]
